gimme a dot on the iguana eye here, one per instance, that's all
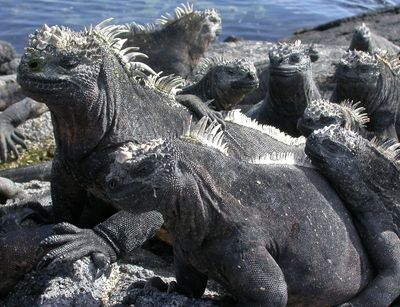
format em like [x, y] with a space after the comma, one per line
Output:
[69, 62]
[112, 184]
[294, 58]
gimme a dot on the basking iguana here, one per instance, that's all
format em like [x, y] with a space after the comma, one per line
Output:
[321, 113]
[366, 174]
[223, 81]
[374, 81]
[290, 88]
[272, 232]
[100, 98]
[8, 59]
[365, 40]
[175, 43]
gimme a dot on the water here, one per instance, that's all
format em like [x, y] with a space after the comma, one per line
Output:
[250, 19]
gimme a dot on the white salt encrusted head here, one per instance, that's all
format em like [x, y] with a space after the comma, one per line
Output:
[90, 41]
[237, 117]
[207, 63]
[207, 133]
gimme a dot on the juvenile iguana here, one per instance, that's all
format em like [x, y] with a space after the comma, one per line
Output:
[175, 43]
[250, 226]
[290, 88]
[321, 113]
[374, 81]
[366, 174]
[223, 81]
[90, 85]
[365, 40]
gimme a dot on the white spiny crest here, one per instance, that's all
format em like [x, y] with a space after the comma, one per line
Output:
[389, 148]
[237, 117]
[356, 57]
[208, 134]
[90, 40]
[210, 62]
[180, 11]
[169, 85]
[357, 113]
[392, 62]
[284, 158]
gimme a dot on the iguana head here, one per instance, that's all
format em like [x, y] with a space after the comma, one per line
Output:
[148, 176]
[61, 66]
[351, 162]
[290, 76]
[361, 39]
[321, 113]
[229, 79]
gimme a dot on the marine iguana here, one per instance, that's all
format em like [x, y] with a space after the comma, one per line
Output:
[250, 226]
[321, 113]
[373, 80]
[366, 175]
[223, 81]
[290, 88]
[365, 40]
[8, 59]
[175, 43]
[90, 84]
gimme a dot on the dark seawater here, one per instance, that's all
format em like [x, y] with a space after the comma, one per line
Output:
[250, 19]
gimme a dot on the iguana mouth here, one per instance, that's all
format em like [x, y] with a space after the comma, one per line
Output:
[244, 84]
[43, 85]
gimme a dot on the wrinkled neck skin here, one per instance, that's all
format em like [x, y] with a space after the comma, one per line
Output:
[290, 96]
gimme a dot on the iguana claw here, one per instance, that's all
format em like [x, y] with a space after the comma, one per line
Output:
[70, 243]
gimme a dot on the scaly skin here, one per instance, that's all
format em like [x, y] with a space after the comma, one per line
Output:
[176, 44]
[367, 177]
[365, 40]
[290, 88]
[224, 82]
[236, 222]
[90, 86]
[322, 113]
[373, 80]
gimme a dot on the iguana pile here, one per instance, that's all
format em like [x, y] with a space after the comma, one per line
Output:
[374, 81]
[322, 113]
[272, 231]
[290, 88]
[366, 175]
[175, 43]
[100, 97]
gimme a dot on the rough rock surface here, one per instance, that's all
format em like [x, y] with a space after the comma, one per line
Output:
[384, 22]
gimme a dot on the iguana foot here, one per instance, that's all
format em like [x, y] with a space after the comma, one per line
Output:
[70, 243]
[9, 137]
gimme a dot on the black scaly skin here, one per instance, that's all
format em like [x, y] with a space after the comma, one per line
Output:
[367, 177]
[251, 227]
[224, 82]
[373, 80]
[176, 45]
[95, 106]
[290, 88]
[22, 228]
[365, 40]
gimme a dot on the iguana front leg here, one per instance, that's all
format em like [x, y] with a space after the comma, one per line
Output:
[10, 119]
[198, 107]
